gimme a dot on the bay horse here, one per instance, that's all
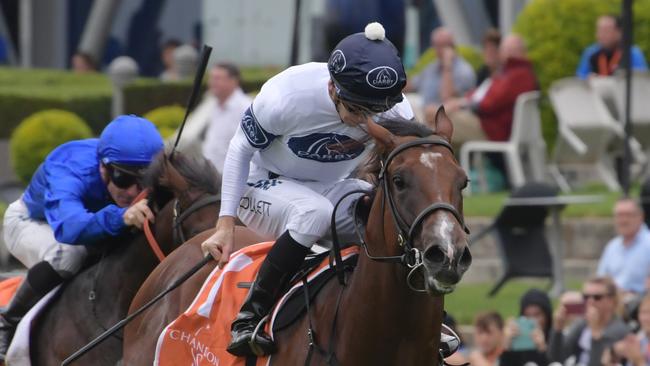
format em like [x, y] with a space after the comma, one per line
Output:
[184, 195]
[390, 310]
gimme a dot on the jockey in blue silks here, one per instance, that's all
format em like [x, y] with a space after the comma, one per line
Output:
[80, 194]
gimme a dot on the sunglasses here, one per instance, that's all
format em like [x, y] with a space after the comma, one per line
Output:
[122, 179]
[596, 297]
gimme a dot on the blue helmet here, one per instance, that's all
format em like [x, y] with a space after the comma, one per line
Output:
[129, 141]
[367, 70]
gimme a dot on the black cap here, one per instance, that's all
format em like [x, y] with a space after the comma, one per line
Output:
[367, 70]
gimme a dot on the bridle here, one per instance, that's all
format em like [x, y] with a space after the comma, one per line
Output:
[179, 217]
[411, 257]
[178, 236]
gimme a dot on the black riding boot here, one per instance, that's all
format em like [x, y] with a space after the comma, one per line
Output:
[40, 279]
[282, 262]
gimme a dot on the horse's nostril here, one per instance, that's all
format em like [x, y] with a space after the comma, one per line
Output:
[465, 259]
[435, 255]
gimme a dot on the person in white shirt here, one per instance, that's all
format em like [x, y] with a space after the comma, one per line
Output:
[303, 137]
[231, 103]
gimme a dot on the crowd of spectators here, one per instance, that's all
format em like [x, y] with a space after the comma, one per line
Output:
[481, 104]
[606, 323]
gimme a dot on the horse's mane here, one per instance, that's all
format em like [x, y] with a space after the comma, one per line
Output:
[369, 170]
[198, 171]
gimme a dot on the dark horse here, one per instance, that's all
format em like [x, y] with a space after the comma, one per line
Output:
[184, 196]
[390, 310]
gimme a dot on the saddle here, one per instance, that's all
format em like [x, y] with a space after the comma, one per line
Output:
[294, 305]
[204, 328]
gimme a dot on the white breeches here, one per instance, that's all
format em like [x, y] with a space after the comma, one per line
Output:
[32, 241]
[271, 206]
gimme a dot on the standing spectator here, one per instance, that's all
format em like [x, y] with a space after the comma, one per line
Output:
[83, 63]
[491, 116]
[448, 77]
[626, 257]
[603, 57]
[488, 339]
[231, 103]
[169, 72]
[490, 52]
[534, 305]
[635, 348]
[586, 339]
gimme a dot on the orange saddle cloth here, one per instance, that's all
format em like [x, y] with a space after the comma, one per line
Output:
[199, 336]
[8, 288]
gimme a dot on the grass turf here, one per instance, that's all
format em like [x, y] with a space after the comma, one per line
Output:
[470, 299]
[489, 205]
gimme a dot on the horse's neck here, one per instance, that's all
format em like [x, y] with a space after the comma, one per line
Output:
[127, 268]
[380, 309]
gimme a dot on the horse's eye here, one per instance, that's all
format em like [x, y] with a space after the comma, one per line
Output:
[398, 182]
[465, 184]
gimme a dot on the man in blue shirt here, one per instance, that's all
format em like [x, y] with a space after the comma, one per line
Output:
[80, 194]
[603, 57]
[626, 258]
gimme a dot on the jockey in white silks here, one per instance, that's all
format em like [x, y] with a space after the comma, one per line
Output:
[290, 162]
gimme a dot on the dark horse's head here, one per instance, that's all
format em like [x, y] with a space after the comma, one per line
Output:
[420, 184]
[192, 182]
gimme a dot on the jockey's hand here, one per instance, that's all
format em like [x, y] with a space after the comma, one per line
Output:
[219, 245]
[137, 214]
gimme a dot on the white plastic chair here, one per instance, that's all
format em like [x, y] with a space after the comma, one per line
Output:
[525, 141]
[586, 130]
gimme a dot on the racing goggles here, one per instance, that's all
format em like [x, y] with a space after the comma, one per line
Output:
[123, 177]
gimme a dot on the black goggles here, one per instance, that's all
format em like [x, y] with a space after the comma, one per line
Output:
[121, 178]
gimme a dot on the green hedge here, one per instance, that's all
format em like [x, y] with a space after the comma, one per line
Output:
[24, 92]
[167, 119]
[556, 33]
[39, 134]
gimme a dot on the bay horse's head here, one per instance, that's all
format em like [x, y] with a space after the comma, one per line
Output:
[190, 184]
[420, 184]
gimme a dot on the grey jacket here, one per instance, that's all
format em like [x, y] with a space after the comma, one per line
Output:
[563, 345]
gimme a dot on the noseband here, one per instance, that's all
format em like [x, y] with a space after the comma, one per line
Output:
[411, 257]
[179, 217]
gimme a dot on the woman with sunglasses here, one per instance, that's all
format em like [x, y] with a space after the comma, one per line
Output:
[79, 195]
[596, 328]
[304, 134]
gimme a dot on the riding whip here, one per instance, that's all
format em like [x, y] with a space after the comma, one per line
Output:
[122, 323]
[198, 78]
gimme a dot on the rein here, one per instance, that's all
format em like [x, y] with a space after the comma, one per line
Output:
[179, 217]
[148, 233]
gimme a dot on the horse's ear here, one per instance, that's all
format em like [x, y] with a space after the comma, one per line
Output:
[443, 125]
[382, 136]
[173, 179]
